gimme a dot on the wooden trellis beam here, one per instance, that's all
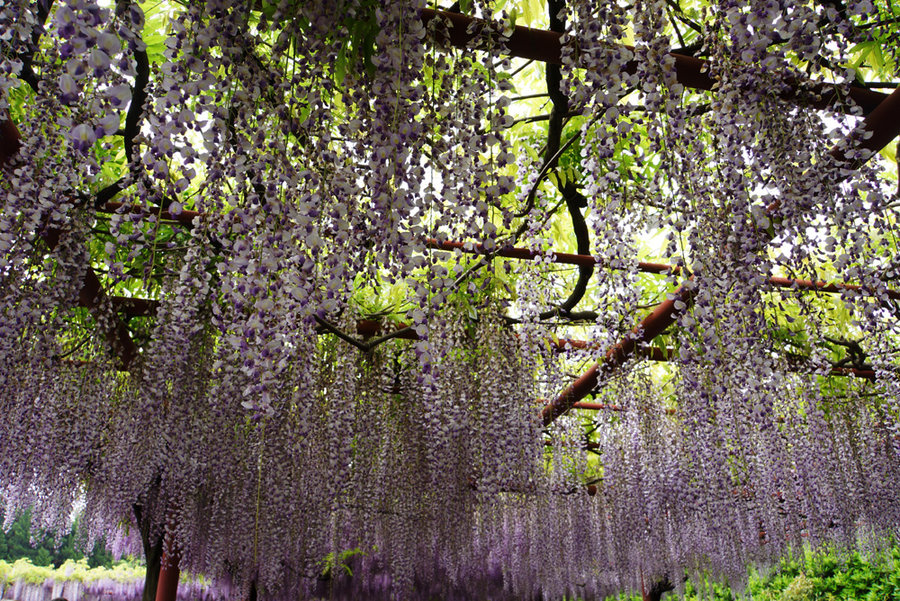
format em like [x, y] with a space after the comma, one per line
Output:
[368, 328]
[10, 141]
[133, 307]
[186, 218]
[655, 353]
[642, 266]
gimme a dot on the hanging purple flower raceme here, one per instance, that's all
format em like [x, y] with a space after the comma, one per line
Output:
[263, 436]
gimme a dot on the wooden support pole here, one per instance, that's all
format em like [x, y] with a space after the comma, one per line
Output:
[169, 572]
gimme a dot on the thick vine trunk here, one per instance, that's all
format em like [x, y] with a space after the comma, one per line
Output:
[153, 550]
[153, 556]
[656, 591]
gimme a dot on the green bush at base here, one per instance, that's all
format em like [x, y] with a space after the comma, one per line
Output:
[24, 570]
[821, 576]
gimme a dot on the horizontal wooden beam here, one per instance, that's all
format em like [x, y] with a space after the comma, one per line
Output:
[642, 266]
[691, 72]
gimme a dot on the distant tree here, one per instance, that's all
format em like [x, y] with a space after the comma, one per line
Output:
[46, 547]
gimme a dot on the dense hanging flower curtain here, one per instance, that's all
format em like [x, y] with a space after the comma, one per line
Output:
[282, 290]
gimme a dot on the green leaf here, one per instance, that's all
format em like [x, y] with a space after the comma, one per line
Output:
[531, 11]
[513, 17]
[876, 57]
[553, 178]
[890, 152]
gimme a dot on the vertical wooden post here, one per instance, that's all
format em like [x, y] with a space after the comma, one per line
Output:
[167, 587]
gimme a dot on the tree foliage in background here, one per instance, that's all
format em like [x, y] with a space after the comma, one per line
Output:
[46, 548]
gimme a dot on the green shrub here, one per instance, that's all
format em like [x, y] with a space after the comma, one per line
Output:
[70, 570]
[23, 569]
[801, 588]
[823, 575]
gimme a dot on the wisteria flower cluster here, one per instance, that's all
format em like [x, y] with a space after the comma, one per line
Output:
[236, 327]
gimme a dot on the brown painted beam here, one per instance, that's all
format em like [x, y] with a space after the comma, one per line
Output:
[369, 328]
[691, 72]
[10, 141]
[598, 406]
[835, 287]
[528, 254]
[642, 266]
[650, 327]
[883, 123]
[185, 217]
[134, 307]
[655, 353]
[863, 374]
[852, 372]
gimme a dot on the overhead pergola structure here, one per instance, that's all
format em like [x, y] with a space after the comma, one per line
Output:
[534, 44]
[882, 121]
[879, 128]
